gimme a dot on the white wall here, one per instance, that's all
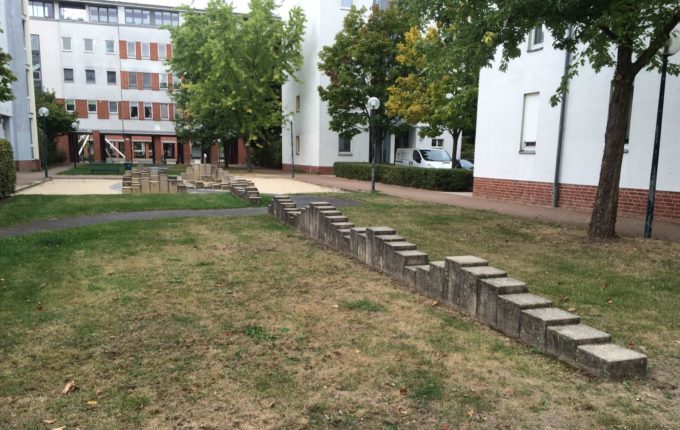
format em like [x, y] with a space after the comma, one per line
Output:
[499, 118]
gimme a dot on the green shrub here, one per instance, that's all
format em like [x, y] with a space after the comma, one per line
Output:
[416, 177]
[8, 173]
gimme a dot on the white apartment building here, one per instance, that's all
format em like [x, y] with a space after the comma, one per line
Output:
[105, 60]
[518, 131]
[17, 117]
[314, 146]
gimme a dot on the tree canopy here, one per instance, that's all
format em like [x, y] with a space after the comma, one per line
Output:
[625, 36]
[362, 63]
[231, 68]
[6, 76]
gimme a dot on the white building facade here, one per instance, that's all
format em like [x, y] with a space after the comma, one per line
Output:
[105, 60]
[516, 150]
[17, 117]
[314, 146]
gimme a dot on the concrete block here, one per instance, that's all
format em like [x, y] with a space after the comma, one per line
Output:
[509, 308]
[453, 266]
[163, 186]
[438, 281]
[172, 186]
[534, 324]
[378, 250]
[611, 361]
[388, 262]
[373, 247]
[410, 274]
[422, 279]
[466, 288]
[127, 190]
[401, 259]
[146, 188]
[562, 341]
[154, 186]
[489, 290]
[357, 243]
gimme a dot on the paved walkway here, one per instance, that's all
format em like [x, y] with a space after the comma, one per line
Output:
[64, 223]
[626, 226]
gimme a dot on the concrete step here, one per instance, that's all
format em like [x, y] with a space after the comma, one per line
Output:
[611, 361]
[534, 324]
[412, 257]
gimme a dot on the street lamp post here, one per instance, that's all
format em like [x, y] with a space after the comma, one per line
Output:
[373, 105]
[292, 150]
[43, 112]
[671, 48]
[74, 150]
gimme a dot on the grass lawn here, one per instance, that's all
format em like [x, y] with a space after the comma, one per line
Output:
[26, 208]
[242, 323]
[84, 169]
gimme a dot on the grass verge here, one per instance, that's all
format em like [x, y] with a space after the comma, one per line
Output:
[25, 208]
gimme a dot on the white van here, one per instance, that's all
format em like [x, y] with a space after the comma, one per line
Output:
[427, 158]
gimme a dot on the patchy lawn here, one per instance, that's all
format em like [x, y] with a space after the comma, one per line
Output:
[241, 323]
[20, 209]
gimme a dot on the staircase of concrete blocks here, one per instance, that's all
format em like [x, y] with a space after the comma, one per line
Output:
[467, 284]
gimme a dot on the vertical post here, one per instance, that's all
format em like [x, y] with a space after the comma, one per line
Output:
[651, 196]
[45, 143]
[292, 150]
[373, 145]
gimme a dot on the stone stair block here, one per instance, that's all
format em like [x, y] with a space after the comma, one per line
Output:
[465, 295]
[489, 290]
[509, 308]
[534, 324]
[410, 274]
[453, 265]
[154, 187]
[399, 259]
[422, 279]
[611, 361]
[342, 225]
[358, 243]
[389, 263]
[562, 341]
[374, 251]
[127, 190]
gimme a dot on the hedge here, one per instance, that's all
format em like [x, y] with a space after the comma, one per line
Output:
[416, 177]
[8, 174]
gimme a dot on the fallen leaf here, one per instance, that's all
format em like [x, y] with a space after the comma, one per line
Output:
[435, 303]
[91, 402]
[49, 421]
[610, 301]
[69, 388]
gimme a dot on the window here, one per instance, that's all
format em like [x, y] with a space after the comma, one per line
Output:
[68, 75]
[161, 51]
[148, 17]
[90, 76]
[536, 38]
[344, 145]
[140, 149]
[165, 18]
[382, 4]
[70, 105]
[146, 81]
[163, 80]
[132, 80]
[113, 108]
[72, 12]
[35, 56]
[346, 4]
[134, 110]
[91, 106]
[165, 111]
[111, 77]
[41, 9]
[66, 43]
[89, 45]
[297, 145]
[131, 50]
[297, 103]
[110, 47]
[108, 15]
[529, 123]
[145, 50]
[437, 143]
[148, 110]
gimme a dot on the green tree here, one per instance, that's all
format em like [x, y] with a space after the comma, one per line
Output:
[6, 76]
[624, 35]
[437, 92]
[58, 122]
[362, 63]
[232, 67]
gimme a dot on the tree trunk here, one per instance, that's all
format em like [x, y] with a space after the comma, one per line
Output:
[603, 220]
[456, 134]
[249, 156]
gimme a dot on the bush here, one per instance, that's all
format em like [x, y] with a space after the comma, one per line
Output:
[416, 177]
[8, 173]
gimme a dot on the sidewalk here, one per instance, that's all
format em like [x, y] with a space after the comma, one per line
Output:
[626, 226]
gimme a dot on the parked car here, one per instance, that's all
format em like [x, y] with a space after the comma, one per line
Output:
[466, 164]
[426, 158]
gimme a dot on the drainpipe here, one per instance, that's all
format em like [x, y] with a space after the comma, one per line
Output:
[560, 137]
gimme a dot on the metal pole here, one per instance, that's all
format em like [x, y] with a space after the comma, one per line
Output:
[651, 196]
[45, 143]
[74, 149]
[374, 154]
[292, 151]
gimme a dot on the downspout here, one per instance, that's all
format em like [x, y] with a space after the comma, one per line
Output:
[560, 137]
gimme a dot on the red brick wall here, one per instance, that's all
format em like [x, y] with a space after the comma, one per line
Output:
[631, 201]
[27, 165]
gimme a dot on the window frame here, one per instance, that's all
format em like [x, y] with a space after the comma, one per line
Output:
[148, 105]
[131, 79]
[533, 45]
[298, 103]
[113, 46]
[343, 4]
[163, 77]
[529, 147]
[163, 50]
[348, 142]
[73, 75]
[146, 75]
[167, 111]
[297, 145]
[91, 51]
[91, 103]
[72, 103]
[134, 49]
[135, 106]
[46, 7]
[113, 103]
[148, 50]
[94, 77]
[70, 43]
[437, 142]
[115, 77]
